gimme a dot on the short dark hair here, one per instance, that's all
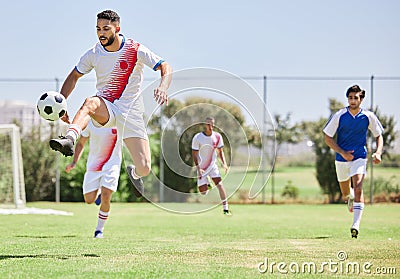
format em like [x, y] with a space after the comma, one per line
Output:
[355, 89]
[110, 15]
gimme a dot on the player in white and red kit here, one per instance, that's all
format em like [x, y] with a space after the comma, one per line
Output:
[118, 62]
[102, 168]
[204, 148]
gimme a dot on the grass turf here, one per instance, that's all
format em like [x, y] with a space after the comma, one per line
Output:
[143, 241]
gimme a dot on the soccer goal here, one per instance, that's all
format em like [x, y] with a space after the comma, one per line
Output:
[12, 185]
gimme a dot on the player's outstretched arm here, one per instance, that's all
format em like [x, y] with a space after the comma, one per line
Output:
[160, 93]
[67, 87]
[377, 156]
[195, 155]
[80, 146]
[70, 82]
[222, 158]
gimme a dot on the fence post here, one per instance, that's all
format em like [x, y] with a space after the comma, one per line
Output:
[58, 191]
[161, 192]
[371, 186]
[264, 137]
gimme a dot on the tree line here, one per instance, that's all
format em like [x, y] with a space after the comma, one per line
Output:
[170, 140]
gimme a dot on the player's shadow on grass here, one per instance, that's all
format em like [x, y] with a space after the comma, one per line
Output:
[46, 236]
[43, 256]
[323, 237]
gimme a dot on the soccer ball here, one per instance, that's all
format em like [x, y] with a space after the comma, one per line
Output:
[52, 105]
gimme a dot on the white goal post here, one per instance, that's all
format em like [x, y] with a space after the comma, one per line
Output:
[12, 185]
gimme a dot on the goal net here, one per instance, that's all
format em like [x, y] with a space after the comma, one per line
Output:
[12, 185]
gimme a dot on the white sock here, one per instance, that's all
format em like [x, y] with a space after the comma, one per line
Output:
[103, 216]
[73, 131]
[135, 176]
[225, 205]
[358, 210]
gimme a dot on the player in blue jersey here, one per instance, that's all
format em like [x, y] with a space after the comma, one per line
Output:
[351, 125]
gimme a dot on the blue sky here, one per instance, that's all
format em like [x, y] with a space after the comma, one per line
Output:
[44, 39]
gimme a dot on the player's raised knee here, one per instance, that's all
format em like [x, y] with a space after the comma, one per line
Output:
[143, 170]
[91, 103]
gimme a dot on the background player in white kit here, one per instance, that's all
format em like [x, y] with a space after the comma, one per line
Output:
[118, 62]
[351, 125]
[102, 168]
[204, 147]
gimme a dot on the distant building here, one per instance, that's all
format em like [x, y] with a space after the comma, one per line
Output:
[24, 114]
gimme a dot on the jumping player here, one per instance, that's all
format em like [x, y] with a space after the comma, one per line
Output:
[118, 62]
[351, 125]
[102, 168]
[204, 145]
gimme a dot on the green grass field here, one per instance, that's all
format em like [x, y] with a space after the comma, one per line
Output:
[143, 241]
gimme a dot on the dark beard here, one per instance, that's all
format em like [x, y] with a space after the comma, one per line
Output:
[109, 41]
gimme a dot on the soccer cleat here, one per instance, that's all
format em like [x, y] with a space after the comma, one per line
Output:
[65, 145]
[350, 203]
[98, 200]
[98, 234]
[138, 186]
[227, 212]
[354, 233]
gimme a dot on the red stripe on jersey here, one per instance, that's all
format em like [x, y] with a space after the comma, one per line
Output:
[123, 68]
[108, 150]
[215, 141]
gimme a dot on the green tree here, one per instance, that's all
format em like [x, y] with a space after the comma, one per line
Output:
[284, 132]
[39, 166]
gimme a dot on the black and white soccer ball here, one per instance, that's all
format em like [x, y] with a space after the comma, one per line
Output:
[52, 105]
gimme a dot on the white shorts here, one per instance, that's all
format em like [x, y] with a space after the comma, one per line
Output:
[93, 180]
[212, 172]
[129, 124]
[345, 170]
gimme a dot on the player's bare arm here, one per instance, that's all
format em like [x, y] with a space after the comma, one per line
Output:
[195, 155]
[80, 145]
[67, 88]
[160, 93]
[377, 155]
[222, 158]
[347, 155]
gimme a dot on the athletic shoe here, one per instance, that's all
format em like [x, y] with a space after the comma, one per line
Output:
[138, 186]
[354, 233]
[65, 145]
[98, 234]
[98, 200]
[227, 212]
[350, 203]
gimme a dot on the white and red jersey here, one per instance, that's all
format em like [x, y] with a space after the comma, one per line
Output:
[120, 73]
[105, 148]
[207, 145]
